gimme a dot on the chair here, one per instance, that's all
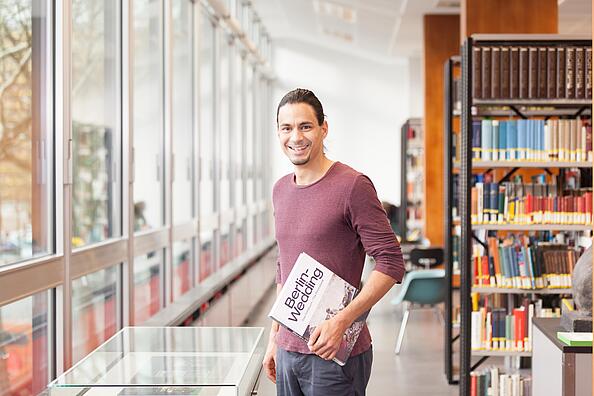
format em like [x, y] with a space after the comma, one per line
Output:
[420, 288]
[426, 257]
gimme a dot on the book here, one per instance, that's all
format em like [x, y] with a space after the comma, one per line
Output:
[575, 339]
[532, 140]
[311, 295]
[490, 381]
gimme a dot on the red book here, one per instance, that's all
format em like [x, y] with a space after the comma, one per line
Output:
[477, 280]
[518, 329]
[485, 271]
[473, 384]
[588, 199]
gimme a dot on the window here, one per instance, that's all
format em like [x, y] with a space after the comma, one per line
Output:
[225, 81]
[182, 111]
[182, 259]
[95, 310]
[25, 140]
[95, 121]
[148, 114]
[148, 285]
[207, 260]
[24, 345]
[207, 123]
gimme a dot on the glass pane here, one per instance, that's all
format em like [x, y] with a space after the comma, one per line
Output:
[207, 263]
[95, 125]
[148, 114]
[169, 356]
[182, 259]
[25, 217]
[249, 133]
[238, 138]
[225, 122]
[207, 123]
[95, 309]
[24, 353]
[225, 248]
[148, 285]
[182, 111]
[240, 238]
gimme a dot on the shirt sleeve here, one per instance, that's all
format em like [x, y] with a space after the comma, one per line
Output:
[278, 278]
[370, 222]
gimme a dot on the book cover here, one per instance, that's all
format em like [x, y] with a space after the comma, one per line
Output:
[575, 339]
[311, 295]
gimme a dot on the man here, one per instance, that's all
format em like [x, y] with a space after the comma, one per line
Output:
[331, 212]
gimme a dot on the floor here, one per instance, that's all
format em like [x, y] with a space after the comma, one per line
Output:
[418, 370]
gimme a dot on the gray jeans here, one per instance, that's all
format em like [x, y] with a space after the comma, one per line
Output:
[300, 374]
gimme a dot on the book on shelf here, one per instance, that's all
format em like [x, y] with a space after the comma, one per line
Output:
[491, 381]
[532, 72]
[539, 202]
[497, 327]
[311, 295]
[575, 338]
[567, 140]
[521, 262]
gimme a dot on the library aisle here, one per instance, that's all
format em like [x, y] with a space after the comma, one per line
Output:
[418, 370]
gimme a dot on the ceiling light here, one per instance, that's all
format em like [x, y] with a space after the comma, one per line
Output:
[335, 10]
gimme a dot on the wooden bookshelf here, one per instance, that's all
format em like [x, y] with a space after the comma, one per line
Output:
[471, 108]
[501, 353]
[505, 290]
[527, 164]
[532, 227]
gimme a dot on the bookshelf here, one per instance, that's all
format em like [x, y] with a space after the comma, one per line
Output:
[411, 191]
[476, 105]
[505, 290]
[450, 111]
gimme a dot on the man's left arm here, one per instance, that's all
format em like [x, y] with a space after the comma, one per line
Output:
[369, 221]
[326, 338]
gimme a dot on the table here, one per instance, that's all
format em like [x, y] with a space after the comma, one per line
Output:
[558, 369]
[221, 361]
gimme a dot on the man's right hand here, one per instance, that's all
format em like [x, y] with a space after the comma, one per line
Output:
[269, 362]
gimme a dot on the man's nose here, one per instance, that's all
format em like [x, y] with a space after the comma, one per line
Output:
[296, 134]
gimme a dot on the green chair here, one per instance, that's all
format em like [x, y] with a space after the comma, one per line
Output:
[420, 289]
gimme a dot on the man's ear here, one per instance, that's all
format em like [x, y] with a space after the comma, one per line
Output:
[325, 128]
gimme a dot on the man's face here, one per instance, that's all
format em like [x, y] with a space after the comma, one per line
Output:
[299, 134]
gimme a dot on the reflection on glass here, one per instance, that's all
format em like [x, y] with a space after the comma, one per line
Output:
[224, 112]
[240, 238]
[182, 258]
[225, 247]
[95, 109]
[147, 286]
[94, 310]
[238, 138]
[207, 124]
[249, 134]
[182, 110]
[207, 263]
[148, 115]
[24, 346]
[24, 138]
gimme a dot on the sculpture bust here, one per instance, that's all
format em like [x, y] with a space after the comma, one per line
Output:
[581, 282]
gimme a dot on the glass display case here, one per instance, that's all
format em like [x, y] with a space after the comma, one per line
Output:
[204, 361]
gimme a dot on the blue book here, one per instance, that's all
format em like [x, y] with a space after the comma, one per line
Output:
[529, 139]
[541, 131]
[476, 140]
[512, 139]
[503, 149]
[495, 140]
[486, 140]
[521, 136]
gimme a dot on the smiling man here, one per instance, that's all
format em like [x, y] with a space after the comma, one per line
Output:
[331, 212]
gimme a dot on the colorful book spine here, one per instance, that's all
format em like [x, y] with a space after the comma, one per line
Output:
[528, 204]
[532, 140]
[514, 263]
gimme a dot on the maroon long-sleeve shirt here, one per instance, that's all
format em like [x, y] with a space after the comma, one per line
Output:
[335, 220]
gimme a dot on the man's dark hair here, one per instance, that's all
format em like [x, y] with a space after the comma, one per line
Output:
[301, 95]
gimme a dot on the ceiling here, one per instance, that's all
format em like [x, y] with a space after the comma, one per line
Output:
[384, 30]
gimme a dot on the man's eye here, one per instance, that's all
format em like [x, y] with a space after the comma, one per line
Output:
[306, 127]
[286, 129]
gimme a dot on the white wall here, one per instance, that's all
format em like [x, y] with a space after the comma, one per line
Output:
[365, 101]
